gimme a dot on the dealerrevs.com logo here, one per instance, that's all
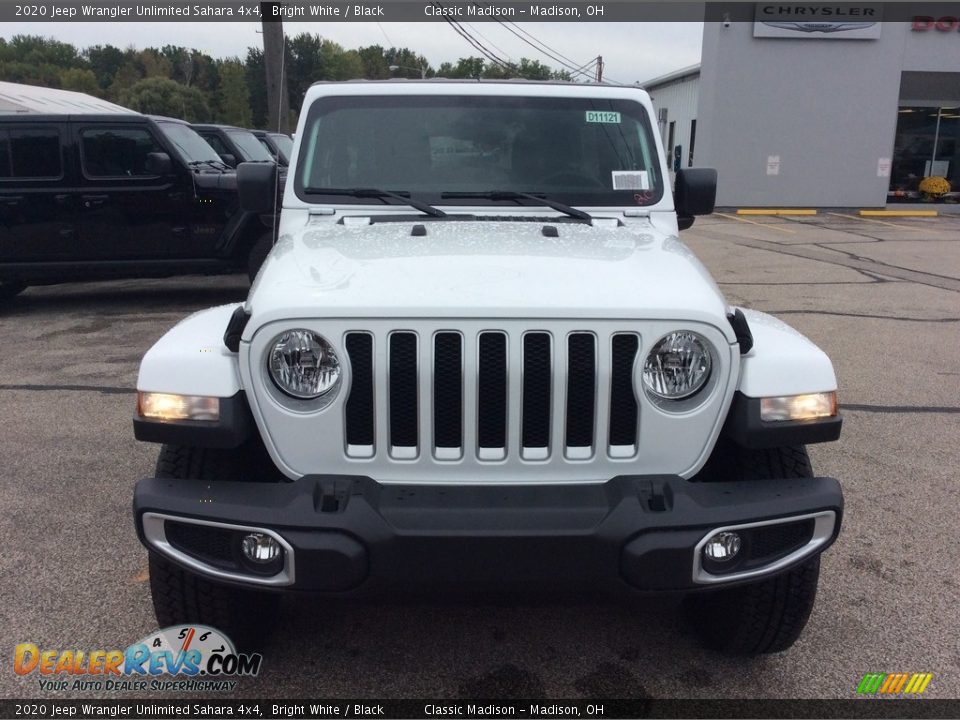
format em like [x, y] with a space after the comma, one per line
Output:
[179, 658]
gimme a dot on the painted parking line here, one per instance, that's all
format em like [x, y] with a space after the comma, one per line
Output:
[754, 222]
[884, 222]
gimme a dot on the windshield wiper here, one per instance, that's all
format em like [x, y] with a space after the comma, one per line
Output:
[381, 195]
[514, 195]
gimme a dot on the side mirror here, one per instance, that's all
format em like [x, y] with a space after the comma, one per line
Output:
[229, 159]
[694, 193]
[158, 163]
[257, 186]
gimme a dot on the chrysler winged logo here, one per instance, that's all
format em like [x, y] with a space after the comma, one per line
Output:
[824, 27]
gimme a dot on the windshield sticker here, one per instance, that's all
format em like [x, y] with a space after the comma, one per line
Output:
[630, 180]
[596, 116]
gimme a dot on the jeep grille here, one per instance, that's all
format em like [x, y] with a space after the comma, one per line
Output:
[556, 399]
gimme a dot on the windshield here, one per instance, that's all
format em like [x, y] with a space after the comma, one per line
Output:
[249, 146]
[284, 145]
[192, 147]
[579, 151]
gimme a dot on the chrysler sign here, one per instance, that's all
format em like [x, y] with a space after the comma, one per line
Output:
[833, 21]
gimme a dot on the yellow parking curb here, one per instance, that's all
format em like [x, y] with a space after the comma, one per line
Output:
[776, 211]
[899, 213]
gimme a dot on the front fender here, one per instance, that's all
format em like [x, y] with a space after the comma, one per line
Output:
[782, 361]
[191, 358]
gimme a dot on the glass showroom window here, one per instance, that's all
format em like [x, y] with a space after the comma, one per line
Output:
[927, 145]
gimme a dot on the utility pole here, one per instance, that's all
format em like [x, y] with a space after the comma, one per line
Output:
[599, 68]
[278, 97]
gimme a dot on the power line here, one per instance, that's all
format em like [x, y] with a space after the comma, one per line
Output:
[479, 46]
[554, 54]
[490, 42]
[568, 65]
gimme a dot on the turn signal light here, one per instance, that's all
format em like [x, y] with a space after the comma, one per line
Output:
[168, 407]
[799, 407]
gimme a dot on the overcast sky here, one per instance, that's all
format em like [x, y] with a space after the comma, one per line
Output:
[631, 51]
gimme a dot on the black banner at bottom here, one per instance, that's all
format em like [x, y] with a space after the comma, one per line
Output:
[469, 710]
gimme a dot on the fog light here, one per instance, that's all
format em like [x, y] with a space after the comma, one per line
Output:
[722, 547]
[261, 548]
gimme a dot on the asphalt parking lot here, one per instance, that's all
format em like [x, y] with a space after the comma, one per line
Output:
[881, 297]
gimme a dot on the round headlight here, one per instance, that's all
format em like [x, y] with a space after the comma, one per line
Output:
[303, 364]
[678, 366]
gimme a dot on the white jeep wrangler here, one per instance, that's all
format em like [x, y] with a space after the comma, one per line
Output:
[479, 355]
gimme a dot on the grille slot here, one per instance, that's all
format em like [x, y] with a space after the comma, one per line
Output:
[404, 433]
[581, 394]
[536, 396]
[623, 403]
[359, 407]
[492, 396]
[448, 395]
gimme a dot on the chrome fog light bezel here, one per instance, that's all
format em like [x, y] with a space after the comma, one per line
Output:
[825, 526]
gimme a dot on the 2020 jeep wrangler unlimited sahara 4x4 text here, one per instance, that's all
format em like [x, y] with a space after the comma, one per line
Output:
[479, 355]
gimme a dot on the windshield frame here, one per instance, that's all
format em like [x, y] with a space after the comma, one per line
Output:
[182, 153]
[283, 144]
[633, 108]
[241, 139]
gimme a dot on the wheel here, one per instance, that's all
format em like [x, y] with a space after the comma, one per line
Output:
[763, 617]
[769, 615]
[181, 596]
[258, 253]
[732, 462]
[10, 289]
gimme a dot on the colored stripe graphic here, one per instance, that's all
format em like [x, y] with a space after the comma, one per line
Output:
[870, 683]
[894, 683]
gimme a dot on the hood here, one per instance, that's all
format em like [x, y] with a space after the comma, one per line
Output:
[496, 269]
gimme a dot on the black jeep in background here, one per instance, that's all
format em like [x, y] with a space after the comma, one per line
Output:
[234, 145]
[280, 146]
[93, 195]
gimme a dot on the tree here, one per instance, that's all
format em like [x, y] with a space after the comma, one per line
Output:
[233, 97]
[374, 62]
[408, 64]
[105, 61]
[469, 67]
[162, 96]
[126, 77]
[80, 80]
[37, 50]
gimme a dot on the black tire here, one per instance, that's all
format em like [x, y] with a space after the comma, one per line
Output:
[247, 463]
[181, 596]
[755, 619]
[10, 289]
[258, 253]
[766, 616]
[732, 462]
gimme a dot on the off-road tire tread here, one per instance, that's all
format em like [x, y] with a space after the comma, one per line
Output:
[180, 596]
[773, 463]
[766, 616]
[760, 618]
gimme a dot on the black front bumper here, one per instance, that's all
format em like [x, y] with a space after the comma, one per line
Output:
[352, 535]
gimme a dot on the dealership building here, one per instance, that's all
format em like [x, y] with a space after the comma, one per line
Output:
[799, 113]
